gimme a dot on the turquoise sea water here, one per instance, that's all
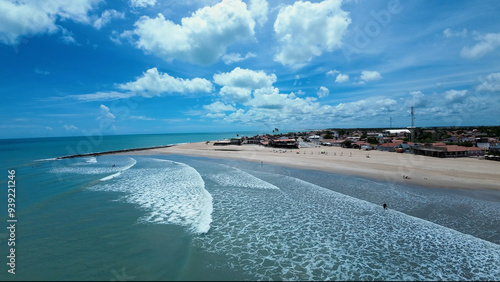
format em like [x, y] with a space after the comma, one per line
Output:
[174, 217]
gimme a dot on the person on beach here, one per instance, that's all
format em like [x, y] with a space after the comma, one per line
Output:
[385, 206]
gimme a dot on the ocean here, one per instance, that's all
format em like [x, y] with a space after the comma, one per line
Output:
[173, 217]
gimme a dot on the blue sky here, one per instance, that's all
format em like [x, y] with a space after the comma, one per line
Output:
[95, 67]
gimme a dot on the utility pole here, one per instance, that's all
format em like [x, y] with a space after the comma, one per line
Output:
[412, 128]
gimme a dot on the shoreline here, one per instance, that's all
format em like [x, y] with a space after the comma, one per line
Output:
[459, 173]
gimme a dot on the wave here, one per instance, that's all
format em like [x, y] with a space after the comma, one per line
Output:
[307, 232]
[234, 177]
[171, 194]
[89, 166]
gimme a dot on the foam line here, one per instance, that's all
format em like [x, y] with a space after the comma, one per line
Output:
[171, 193]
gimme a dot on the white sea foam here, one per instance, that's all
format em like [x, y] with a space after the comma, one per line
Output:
[91, 160]
[234, 177]
[49, 159]
[111, 176]
[307, 232]
[90, 166]
[173, 193]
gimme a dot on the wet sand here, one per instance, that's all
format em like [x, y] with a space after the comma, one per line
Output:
[462, 173]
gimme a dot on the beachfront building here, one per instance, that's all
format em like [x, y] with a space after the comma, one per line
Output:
[284, 142]
[252, 140]
[388, 147]
[448, 151]
[224, 142]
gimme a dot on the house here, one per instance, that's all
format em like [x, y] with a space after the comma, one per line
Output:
[448, 151]
[224, 142]
[284, 143]
[252, 140]
[494, 149]
[388, 147]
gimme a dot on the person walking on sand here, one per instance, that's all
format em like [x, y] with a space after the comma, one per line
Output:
[385, 206]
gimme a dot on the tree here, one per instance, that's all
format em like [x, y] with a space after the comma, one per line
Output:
[347, 144]
[372, 140]
[328, 135]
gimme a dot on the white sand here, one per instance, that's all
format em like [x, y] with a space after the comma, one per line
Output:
[469, 173]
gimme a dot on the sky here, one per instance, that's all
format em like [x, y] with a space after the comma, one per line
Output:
[94, 67]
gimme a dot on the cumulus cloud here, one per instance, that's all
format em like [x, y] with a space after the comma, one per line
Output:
[454, 96]
[142, 3]
[236, 57]
[106, 17]
[238, 84]
[341, 78]
[418, 99]
[153, 83]
[105, 113]
[487, 43]
[29, 18]
[323, 92]
[200, 39]
[258, 10]
[218, 107]
[245, 78]
[305, 30]
[490, 84]
[367, 76]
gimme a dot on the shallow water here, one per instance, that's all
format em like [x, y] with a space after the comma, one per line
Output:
[186, 218]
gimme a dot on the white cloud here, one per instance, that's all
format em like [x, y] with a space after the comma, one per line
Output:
[218, 107]
[490, 84]
[152, 83]
[418, 99]
[245, 78]
[200, 39]
[70, 127]
[454, 96]
[305, 30]
[141, 118]
[449, 33]
[368, 108]
[236, 94]
[30, 17]
[341, 78]
[370, 76]
[236, 57]
[237, 85]
[142, 3]
[258, 10]
[106, 17]
[323, 92]
[268, 98]
[487, 43]
[105, 113]
[332, 72]
[102, 96]
[67, 37]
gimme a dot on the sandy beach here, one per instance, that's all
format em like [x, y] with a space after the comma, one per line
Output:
[464, 173]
